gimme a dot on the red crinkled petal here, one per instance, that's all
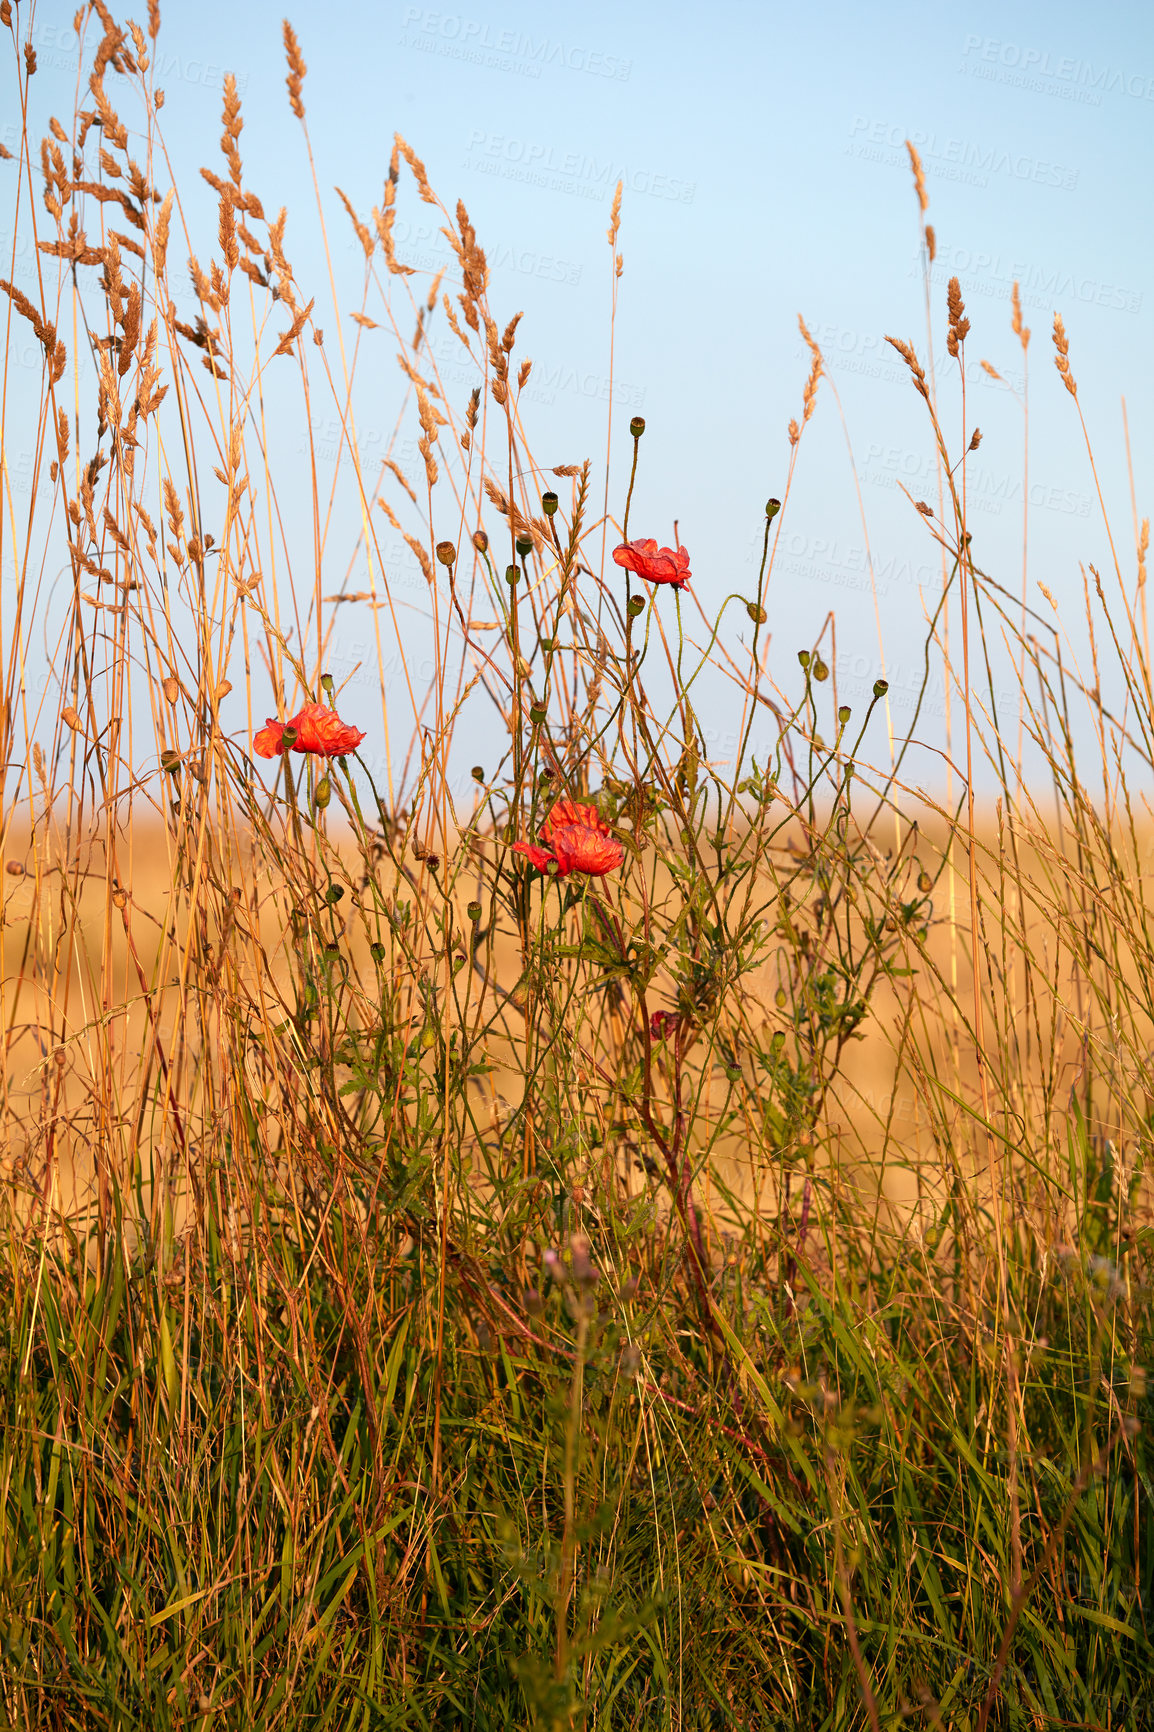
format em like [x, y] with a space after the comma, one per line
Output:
[539, 857]
[267, 743]
[321, 730]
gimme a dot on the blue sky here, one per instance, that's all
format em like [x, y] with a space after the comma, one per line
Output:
[765, 175]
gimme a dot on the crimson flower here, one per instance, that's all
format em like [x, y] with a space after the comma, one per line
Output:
[655, 564]
[318, 730]
[579, 840]
[662, 1024]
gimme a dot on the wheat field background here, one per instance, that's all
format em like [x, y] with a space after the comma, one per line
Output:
[706, 1287]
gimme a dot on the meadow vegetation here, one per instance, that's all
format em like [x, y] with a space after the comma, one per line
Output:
[703, 1282]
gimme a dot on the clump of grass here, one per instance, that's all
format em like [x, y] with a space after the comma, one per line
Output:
[441, 1291]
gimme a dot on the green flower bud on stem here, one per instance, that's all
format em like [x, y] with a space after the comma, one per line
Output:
[323, 794]
[881, 687]
[327, 684]
[820, 671]
[803, 658]
[524, 546]
[477, 773]
[512, 573]
[637, 426]
[636, 605]
[474, 911]
[549, 504]
[843, 714]
[772, 507]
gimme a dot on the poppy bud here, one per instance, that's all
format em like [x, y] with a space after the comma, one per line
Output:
[474, 911]
[524, 545]
[637, 426]
[511, 574]
[170, 761]
[323, 794]
[537, 713]
[843, 714]
[549, 504]
[820, 671]
[446, 552]
[171, 689]
[477, 773]
[327, 684]
[377, 952]
[334, 893]
[772, 507]
[757, 614]
[636, 605]
[881, 687]
[925, 883]
[803, 658]
[480, 541]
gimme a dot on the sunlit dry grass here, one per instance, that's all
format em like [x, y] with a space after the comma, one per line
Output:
[442, 1292]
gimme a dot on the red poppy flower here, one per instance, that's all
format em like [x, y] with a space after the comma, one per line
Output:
[579, 840]
[318, 729]
[655, 564]
[662, 1024]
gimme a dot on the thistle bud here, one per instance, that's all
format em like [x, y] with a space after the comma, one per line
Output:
[446, 552]
[637, 426]
[549, 504]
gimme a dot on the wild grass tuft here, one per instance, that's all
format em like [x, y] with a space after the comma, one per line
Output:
[442, 1291]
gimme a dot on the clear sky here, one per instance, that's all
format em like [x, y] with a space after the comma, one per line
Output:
[765, 175]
